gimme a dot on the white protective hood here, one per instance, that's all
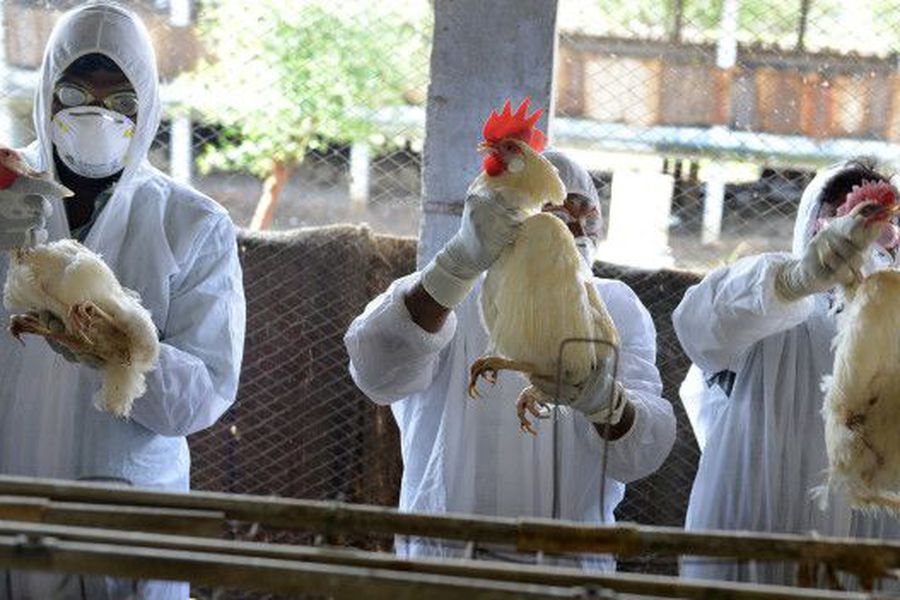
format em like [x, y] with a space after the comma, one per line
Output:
[576, 179]
[763, 447]
[117, 33]
[177, 249]
[810, 203]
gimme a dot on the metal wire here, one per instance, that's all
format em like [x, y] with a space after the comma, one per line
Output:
[636, 87]
[559, 382]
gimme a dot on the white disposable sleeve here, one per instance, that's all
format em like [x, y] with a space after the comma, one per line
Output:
[644, 448]
[733, 308]
[392, 357]
[202, 343]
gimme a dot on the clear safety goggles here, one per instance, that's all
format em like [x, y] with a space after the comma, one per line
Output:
[71, 96]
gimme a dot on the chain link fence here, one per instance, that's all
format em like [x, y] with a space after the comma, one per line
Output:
[701, 121]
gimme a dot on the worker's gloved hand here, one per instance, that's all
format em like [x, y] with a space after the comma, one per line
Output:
[487, 227]
[834, 256]
[599, 397]
[23, 220]
[91, 360]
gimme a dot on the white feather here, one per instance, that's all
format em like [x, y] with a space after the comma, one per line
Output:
[539, 293]
[862, 396]
[59, 275]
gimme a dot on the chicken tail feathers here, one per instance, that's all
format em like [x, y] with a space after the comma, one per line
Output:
[122, 384]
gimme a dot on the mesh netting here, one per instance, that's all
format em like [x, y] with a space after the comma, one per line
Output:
[661, 498]
[300, 428]
[701, 122]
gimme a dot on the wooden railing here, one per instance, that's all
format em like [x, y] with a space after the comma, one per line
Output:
[36, 533]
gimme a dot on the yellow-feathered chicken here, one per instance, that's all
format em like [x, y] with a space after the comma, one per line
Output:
[862, 395]
[101, 318]
[538, 292]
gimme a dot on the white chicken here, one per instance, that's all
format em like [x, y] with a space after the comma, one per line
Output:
[862, 395]
[539, 292]
[102, 319]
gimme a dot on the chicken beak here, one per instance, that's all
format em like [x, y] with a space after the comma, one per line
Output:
[486, 148]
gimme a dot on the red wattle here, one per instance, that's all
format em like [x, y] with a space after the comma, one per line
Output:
[493, 165]
[7, 177]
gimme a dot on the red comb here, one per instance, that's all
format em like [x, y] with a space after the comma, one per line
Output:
[520, 126]
[879, 192]
[884, 197]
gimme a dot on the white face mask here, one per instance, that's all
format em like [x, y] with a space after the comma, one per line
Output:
[92, 141]
[585, 246]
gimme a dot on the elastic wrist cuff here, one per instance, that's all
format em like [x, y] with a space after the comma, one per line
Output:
[447, 289]
[612, 413]
[785, 287]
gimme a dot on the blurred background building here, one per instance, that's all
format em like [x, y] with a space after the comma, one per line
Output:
[701, 120]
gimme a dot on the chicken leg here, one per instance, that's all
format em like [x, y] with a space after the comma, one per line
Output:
[530, 400]
[32, 323]
[487, 367]
[92, 332]
[108, 340]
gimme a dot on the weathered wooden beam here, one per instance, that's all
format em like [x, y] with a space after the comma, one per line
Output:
[134, 518]
[647, 585]
[866, 557]
[289, 513]
[251, 573]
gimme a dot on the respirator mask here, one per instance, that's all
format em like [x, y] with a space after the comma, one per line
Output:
[92, 141]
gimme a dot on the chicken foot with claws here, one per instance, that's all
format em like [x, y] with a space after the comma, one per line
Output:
[35, 324]
[529, 400]
[89, 324]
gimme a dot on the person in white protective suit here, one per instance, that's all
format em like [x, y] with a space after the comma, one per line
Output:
[463, 456]
[759, 333]
[96, 111]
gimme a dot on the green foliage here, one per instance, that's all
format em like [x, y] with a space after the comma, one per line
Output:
[285, 75]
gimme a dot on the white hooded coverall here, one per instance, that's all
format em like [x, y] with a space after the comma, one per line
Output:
[763, 446]
[177, 249]
[469, 456]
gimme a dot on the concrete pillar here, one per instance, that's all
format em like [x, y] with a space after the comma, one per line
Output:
[180, 13]
[713, 205]
[482, 53]
[181, 149]
[726, 58]
[640, 205]
[7, 115]
[726, 49]
[360, 165]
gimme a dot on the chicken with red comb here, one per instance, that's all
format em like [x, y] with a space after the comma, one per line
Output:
[65, 293]
[25, 196]
[538, 293]
[862, 394]
[880, 204]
